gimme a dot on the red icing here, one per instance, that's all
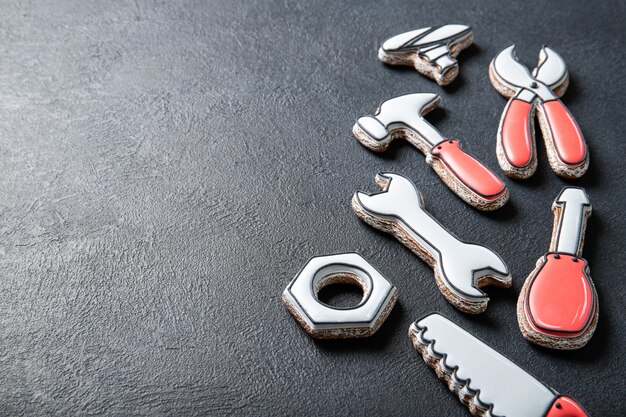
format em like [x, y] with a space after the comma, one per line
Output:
[565, 407]
[560, 299]
[469, 171]
[516, 135]
[568, 139]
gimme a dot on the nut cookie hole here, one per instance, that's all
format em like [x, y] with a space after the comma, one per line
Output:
[343, 290]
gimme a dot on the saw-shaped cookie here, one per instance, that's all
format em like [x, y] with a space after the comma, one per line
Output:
[484, 380]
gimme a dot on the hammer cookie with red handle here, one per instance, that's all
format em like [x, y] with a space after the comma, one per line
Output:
[402, 117]
[558, 305]
[516, 146]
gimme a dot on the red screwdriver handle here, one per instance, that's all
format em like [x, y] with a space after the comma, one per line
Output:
[563, 131]
[464, 168]
[560, 300]
[515, 132]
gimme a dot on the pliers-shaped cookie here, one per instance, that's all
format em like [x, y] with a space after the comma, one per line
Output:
[516, 148]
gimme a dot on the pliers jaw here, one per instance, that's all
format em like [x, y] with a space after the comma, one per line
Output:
[507, 71]
[537, 93]
[552, 71]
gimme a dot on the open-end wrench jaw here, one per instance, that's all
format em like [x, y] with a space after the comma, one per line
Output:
[392, 186]
[460, 267]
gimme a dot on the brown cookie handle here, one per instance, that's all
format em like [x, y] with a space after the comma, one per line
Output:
[468, 170]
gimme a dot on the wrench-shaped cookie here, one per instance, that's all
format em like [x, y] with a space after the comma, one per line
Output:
[460, 268]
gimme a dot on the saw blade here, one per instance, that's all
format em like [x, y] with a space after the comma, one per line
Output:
[478, 373]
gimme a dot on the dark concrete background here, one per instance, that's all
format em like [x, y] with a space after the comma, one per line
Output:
[167, 167]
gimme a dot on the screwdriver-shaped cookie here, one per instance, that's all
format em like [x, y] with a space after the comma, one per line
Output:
[558, 305]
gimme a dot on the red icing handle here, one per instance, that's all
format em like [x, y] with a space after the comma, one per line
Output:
[515, 133]
[565, 407]
[566, 135]
[560, 299]
[469, 171]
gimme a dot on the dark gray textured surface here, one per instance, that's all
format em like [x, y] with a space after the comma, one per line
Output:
[168, 167]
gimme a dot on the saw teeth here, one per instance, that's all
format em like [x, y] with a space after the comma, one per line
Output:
[437, 361]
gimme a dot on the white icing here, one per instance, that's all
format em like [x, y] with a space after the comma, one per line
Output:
[459, 263]
[446, 33]
[516, 76]
[303, 290]
[575, 207]
[416, 39]
[404, 112]
[526, 95]
[510, 389]
[437, 52]
[432, 44]
[399, 40]
[551, 70]
[373, 127]
[445, 62]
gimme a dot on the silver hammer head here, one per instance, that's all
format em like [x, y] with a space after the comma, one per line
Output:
[400, 113]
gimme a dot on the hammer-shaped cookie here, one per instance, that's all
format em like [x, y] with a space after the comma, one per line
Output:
[460, 268]
[431, 51]
[403, 117]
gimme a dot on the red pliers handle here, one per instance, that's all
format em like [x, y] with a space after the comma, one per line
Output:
[565, 144]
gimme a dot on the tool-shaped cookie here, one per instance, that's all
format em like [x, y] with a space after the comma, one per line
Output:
[431, 51]
[460, 268]
[516, 146]
[402, 117]
[483, 379]
[326, 322]
[558, 304]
